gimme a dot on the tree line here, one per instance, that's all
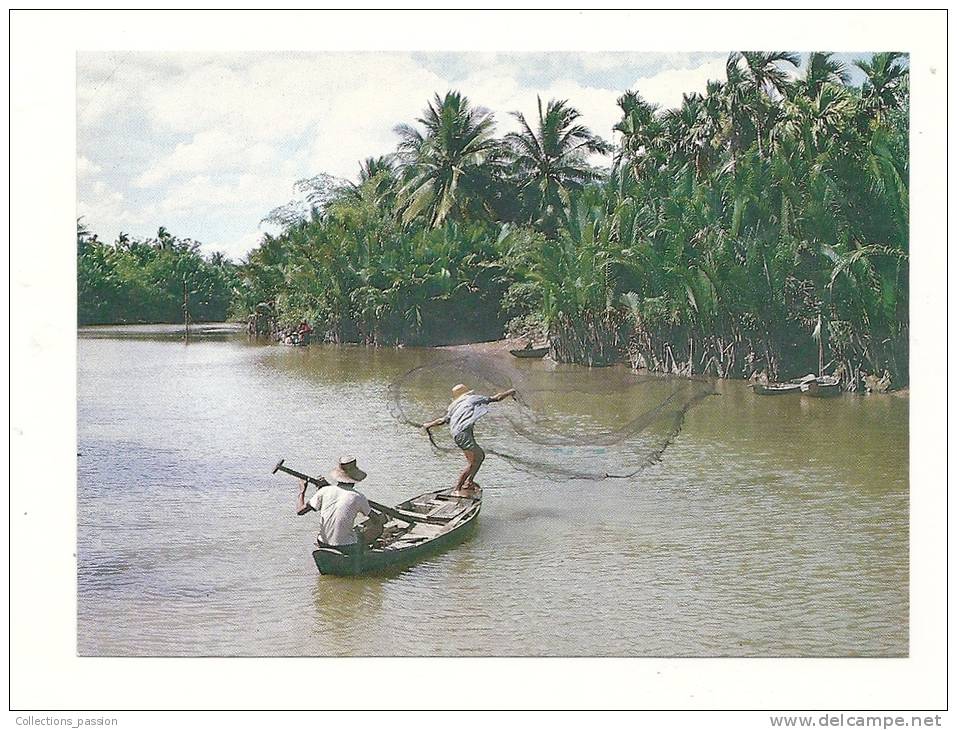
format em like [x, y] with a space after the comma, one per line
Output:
[760, 227]
[161, 279]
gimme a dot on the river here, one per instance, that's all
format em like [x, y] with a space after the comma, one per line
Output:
[757, 526]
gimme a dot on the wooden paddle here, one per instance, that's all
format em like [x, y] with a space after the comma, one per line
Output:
[397, 514]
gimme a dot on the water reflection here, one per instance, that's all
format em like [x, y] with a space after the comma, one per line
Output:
[343, 606]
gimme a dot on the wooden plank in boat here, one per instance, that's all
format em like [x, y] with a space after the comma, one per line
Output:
[449, 509]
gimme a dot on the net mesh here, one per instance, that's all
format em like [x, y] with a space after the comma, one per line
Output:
[565, 422]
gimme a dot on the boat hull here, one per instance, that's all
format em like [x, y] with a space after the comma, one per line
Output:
[534, 352]
[822, 388]
[393, 555]
[776, 388]
[825, 386]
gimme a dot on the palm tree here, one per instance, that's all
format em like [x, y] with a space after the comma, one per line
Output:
[822, 69]
[755, 78]
[763, 72]
[736, 229]
[372, 166]
[84, 237]
[735, 98]
[550, 163]
[640, 128]
[886, 81]
[165, 241]
[691, 128]
[829, 110]
[449, 167]
[377, 184]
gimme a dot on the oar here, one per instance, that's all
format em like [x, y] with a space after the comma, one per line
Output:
[323, 482]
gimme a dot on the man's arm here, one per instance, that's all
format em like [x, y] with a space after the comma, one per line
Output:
[370, 530]
[301, 506]
[499, 397]
[436, 422]
[366, 509]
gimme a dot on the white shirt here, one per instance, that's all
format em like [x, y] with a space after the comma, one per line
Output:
[338, 508]
[465, 410]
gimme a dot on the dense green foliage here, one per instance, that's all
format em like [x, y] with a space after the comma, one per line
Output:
[144, 281]
[759, 227]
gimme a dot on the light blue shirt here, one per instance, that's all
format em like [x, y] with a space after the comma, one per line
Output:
[465, 410]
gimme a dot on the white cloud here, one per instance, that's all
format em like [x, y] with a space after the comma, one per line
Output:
[104, 210]
[236, 248]
[208, 144]
[202, 195]
[85, 168]
[503, 94]
[209, 150]
[250, 112]
[666, 88]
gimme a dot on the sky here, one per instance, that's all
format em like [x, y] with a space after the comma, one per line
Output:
[207, 144]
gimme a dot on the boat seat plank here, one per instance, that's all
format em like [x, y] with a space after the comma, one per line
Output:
[446, 509]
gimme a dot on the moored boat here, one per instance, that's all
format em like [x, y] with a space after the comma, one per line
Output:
[824, 386]
[776, 388]
[793, 386]
[536, 352]
[436, 520]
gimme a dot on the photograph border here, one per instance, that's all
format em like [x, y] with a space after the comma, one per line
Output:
[52, 340]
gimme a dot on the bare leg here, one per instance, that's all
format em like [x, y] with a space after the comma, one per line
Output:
[467, 472]
[476, 457]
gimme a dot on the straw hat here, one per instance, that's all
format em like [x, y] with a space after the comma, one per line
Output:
[347, 471]
[461, 389]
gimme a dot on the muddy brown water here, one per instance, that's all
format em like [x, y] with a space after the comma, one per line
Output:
[770, 526]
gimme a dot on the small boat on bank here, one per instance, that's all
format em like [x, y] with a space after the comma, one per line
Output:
[436, 520]
[824, 386]
[776, 388]
[534, 352]
[791, 387]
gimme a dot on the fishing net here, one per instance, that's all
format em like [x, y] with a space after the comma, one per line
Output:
[566, 421]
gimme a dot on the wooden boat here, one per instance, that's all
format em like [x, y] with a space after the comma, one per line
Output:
[776, 388]
[536, 352]
[791, 387]
[824, 386]
[443, 518]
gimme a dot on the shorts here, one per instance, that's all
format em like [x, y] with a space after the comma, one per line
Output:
[465, 440]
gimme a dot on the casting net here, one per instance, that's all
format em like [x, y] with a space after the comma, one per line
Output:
[566, 421]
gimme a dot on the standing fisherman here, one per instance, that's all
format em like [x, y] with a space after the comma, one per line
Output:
[464, 410]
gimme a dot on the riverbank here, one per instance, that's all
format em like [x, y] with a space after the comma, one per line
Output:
[162, 330]
[495, 348]
[492, 347]
[503, 346]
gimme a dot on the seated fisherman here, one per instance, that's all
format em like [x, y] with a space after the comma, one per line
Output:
[338, 505]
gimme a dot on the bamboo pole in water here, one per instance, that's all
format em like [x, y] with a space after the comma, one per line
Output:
[820, 347]
[186, 307]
